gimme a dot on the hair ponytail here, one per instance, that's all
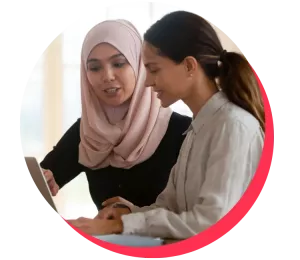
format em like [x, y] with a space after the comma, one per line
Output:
[238, 81]
[181, 34]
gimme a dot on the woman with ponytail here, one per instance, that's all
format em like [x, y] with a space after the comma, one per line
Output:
[185, 60]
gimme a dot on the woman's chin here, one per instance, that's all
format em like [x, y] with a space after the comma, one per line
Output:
[115, 102]
[166, 102]
[112, 103]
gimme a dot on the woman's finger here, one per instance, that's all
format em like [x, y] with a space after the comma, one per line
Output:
[48, 175]
[104, 213]
[54, 190]
[51, 183]
[108, 214]
[72, 222]
[80, 222]
[112, 201]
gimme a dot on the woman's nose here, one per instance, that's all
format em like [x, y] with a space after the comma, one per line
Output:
[149, 82]
[108, 75]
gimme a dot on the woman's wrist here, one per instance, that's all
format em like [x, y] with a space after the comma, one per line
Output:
[118, 226]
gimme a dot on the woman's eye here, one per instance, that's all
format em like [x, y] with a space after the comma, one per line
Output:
[153, 71]
[119, 64]
[94, 68]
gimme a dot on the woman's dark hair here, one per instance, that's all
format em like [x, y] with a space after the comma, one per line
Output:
[181, 34]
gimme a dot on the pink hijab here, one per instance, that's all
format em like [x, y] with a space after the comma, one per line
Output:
[127, 135]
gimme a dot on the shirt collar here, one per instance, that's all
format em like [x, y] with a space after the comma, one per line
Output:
[207, 111]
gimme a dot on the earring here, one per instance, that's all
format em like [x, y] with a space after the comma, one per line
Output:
[218, 84]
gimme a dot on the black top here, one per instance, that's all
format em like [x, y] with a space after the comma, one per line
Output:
[140, 184]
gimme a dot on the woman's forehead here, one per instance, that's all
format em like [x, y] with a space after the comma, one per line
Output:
[104, 51]
[151, 56]
[149, 52]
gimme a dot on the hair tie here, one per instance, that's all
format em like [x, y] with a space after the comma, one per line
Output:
[222, 55]
[219, 64]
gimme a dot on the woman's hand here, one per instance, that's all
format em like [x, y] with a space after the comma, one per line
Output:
[98, 226]
[114, 200]
[54, 188]
[111, 212]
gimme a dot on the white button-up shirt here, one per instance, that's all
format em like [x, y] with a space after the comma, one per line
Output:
[216, 163]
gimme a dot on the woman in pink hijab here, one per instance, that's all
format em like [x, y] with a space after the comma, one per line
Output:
[125, 141]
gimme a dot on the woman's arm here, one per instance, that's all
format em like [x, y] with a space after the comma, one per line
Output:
[62, 161]
[166, 199]
[233, 160]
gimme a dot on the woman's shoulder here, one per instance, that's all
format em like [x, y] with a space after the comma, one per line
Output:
[74, 129]
[179, 121]
[72, 135]
[237, 119]
[178, 124]
[77, 122]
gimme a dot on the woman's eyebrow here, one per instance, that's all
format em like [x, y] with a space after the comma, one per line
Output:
[147, 65]
[110, 58]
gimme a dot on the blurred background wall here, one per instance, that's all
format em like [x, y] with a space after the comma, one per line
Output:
[51, 102]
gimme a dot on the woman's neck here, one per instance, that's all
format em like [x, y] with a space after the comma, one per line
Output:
[116, 114]
[199, 96]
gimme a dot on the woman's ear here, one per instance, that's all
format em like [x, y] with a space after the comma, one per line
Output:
[190, 65]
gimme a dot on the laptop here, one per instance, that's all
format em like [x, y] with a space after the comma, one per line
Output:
[39, 179]
[131, 240]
